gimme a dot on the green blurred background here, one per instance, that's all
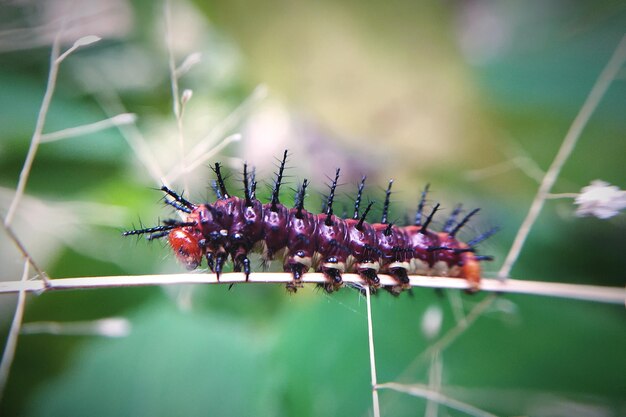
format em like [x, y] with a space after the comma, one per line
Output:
[416, 91]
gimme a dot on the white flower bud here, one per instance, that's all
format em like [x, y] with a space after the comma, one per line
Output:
[431, 321]
[186, 96]
[86, 40]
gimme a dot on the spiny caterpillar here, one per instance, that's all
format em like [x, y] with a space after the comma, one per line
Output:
[232, 227]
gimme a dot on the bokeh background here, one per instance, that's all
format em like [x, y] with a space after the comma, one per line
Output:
[473, 97]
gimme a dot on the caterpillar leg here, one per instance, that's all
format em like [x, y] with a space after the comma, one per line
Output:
[239, 255]
[297, 262]
[394, 290]
[220, 260]
[242, 262]
[296, 269]
[370, 275]
[210, 260]
[332, 270]
[400, 274]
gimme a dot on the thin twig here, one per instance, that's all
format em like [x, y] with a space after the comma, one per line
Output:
[120, 119]
[370, 336]
[517, 158]
[20, 246]
[610, 295]
[204, 146]
[456, 305]
[41, 120]
[523, 163]
[451, 335]
[14, 331]
[111, 103]
[177, 106]
[561, 195]
[436, 348]
[228, 123]
[107, 327]
[191, 60]
[204, 157]
[421, 391]
[529, 167]
[172, 64]
[434, 384]
[85, 40]
[591, 103]
[38, 36]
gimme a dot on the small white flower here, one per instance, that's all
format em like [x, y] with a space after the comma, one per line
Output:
[600, 199]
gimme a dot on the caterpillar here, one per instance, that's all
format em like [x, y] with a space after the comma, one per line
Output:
[233, 227]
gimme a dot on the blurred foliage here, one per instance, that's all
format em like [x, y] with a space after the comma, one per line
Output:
[417, 91]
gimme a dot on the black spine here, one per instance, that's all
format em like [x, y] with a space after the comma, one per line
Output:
[253, 183]
[178, 197]
[246, 185]
[331, 197]
[216, 190]
[359, 195]
[483, 236]
[420, 206]
[383, 219]
[452, 219]
[278, 183]
[429, 219]
[169, 225]
[463, 222]
[220, 182]
[300, 194]
[177, 206]
[359, 225]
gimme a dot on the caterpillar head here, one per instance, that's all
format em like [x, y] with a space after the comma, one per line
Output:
[187, 247]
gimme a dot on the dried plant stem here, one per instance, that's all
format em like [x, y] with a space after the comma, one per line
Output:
[41, 120]
[421, 391]
[177, 106]
[111, 104]
[434, 384]
[612, 295]
[206, 147]
[201, 160]
[524, 163]
[562, 195]
[435, 349]
[452, 334]
[14, 331]
[575, 130]
[25, 254]
[370, 334]
[118, 120]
